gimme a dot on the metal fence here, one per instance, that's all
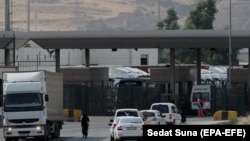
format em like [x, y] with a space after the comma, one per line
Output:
[103, 101]
[233, 100]
[97, 100]
[36, 65]
[93, 100]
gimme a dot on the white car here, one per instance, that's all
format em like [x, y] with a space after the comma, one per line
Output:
[169, 110]
[126, 112]
[122, 112]
[111, 130]
[152, 117]
[128, 128]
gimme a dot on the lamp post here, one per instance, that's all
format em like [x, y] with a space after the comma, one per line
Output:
[229, 47]
[229, 57]
[28, 14]
[159, 10]
[7, 15]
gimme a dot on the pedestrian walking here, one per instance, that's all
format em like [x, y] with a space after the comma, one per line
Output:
[85, 125]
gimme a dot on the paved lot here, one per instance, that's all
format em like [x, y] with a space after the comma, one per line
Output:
[99, 128]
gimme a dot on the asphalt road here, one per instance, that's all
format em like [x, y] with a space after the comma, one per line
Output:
[99, 129]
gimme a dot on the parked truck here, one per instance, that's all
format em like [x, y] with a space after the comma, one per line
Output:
[203, 93]
[32, 105]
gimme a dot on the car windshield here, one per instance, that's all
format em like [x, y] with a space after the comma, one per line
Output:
[148, 114]
[127, 113]
[161, 108]
[130, 120]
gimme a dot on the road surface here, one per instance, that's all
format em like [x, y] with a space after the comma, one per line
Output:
[99, 129]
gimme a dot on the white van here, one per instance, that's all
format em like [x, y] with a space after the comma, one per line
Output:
[202, 92]
[168, 110]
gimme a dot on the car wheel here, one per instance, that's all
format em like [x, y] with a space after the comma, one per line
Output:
[171, 123]
[111, 138]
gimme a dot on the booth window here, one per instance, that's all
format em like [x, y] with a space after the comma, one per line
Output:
[144, 59]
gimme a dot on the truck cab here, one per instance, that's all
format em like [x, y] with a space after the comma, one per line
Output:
[203, 93]
[26, 108]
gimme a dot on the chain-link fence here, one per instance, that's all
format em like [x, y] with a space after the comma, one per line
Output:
[36, 65]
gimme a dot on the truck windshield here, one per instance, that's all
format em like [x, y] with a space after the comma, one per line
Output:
[201, 96]
[23, 100]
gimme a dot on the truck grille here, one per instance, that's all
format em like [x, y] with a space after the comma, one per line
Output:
[23, 120]
[23, 132]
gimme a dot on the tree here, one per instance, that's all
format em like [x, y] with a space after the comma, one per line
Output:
[202, 18]
[169, 23]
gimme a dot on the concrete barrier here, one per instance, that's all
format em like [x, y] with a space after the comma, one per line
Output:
[225, 115]
[72, 114]
[77, 115]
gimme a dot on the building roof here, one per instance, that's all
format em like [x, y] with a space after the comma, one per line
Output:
[128, 39]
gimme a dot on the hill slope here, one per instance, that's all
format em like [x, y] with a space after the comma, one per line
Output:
[72, 15]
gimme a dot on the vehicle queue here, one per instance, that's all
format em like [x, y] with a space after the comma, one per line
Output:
[127, 123]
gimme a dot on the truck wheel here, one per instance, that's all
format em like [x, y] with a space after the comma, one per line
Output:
[11, 139]
[56, 134]
[46, 136]
[47, 133]
[58, 130]
[8, 139]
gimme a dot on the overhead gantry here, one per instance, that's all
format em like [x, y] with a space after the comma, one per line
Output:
[188, 39]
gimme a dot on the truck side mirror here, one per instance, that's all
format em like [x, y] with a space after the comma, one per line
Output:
[46, 97]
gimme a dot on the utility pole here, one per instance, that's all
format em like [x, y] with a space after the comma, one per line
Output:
[7, 15]
[229, 47]
[28, 15]
[225, 107]
[7, 28]
[159, 10]
[36, 14]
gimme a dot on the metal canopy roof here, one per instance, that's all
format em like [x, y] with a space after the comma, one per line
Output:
[8, 38]
[128, 39]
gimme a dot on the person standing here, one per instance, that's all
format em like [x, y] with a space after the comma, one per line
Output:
[183, 111]
[200, 109]
[85, 125]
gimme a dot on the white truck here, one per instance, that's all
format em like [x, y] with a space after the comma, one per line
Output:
[203, 93]
[32, 105]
